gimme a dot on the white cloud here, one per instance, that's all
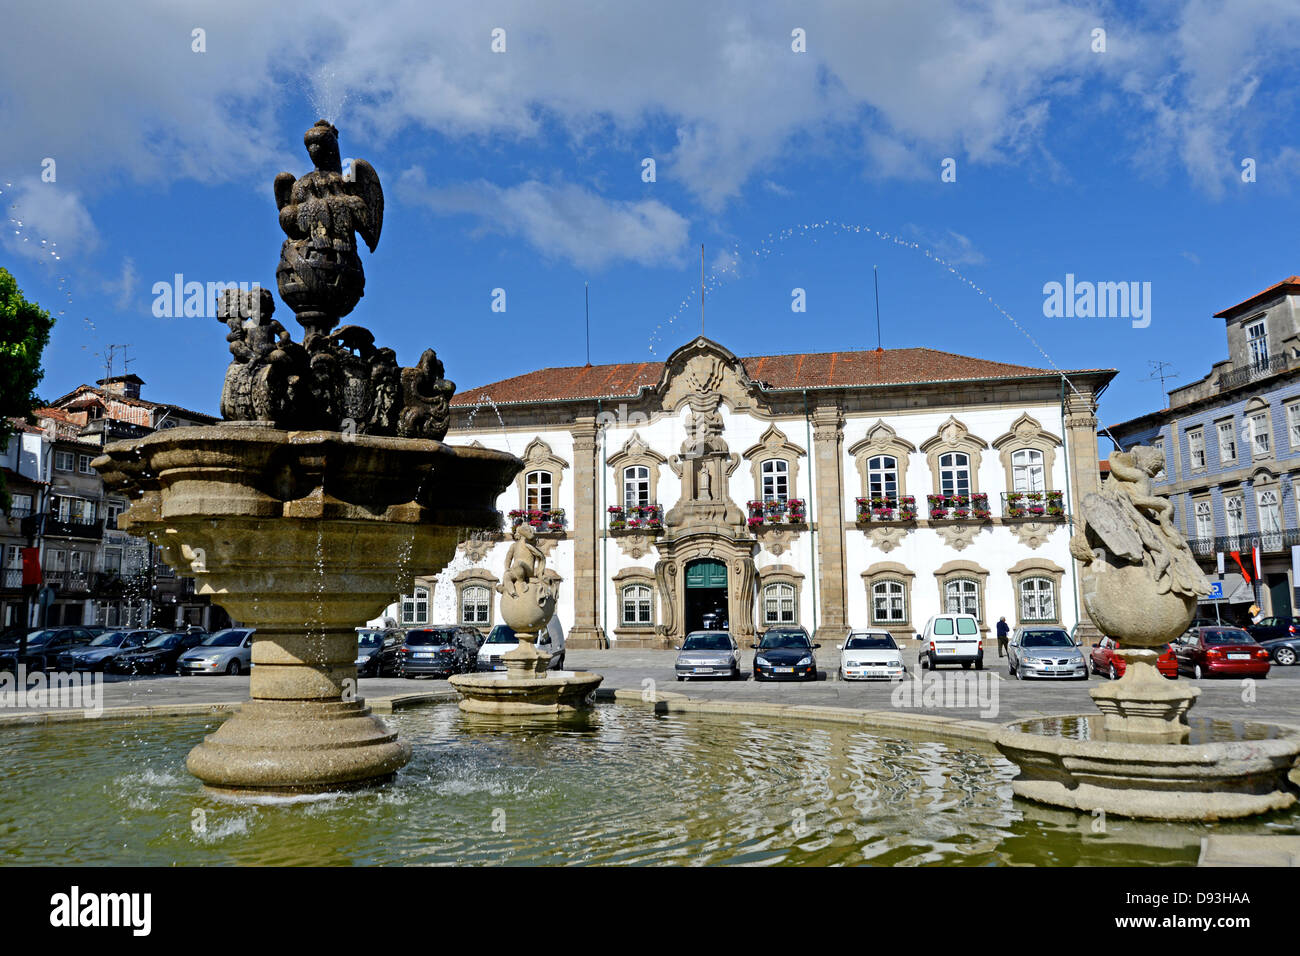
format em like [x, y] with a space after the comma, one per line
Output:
[949, 245]
[123, 288]
[47, 222]
[562, 221]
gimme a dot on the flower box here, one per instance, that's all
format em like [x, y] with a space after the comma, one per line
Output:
[886, 508]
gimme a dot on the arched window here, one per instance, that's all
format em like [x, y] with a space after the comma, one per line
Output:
[888, 603]
[1234, 513]
[882, 476]
[778, 604]
[475, 605]
[415, 607]
[537, 491]
[637, 607]
[1027, 470]
[962, 596]
[1204, 520]
[1037, 599]
[1270, 520]
[954, 473]
[776, 480]
[636, 486]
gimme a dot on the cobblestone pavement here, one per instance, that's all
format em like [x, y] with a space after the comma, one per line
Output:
[1276, 698]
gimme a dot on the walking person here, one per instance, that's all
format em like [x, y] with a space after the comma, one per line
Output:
[1003, 630]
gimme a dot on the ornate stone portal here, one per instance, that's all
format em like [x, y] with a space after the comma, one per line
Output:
[321, 496]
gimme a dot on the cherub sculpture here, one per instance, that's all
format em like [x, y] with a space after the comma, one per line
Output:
[262, 381]
[320, 275]
[525, 563]
[1127, 524]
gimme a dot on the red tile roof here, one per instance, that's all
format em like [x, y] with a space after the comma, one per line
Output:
[1288, 285]
[820, 370]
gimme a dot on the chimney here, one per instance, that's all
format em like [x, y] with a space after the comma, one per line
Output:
[127, 386]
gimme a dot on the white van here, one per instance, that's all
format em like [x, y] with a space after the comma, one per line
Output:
[952, 639]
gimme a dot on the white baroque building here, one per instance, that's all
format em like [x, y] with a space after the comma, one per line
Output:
[835, 490]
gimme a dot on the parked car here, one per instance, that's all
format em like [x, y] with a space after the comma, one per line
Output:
[44, 647]
[102, 649]
[1221, 652]
[377, 652]
[1285, 650]
[1038, 651]
[868, 655]
[785, 653]
[436, 652]
[708, 654]
[952, 639]
[501, 640]
[1104, 660]
[225, 652]
[157, 656]
[1272, 628]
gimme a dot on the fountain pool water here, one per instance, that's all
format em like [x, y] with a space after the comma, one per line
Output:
[616, 784]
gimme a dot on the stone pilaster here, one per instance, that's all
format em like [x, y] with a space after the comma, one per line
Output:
[828, 476]
[1084, 478]
[587, 534]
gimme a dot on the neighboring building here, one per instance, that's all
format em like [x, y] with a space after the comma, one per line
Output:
[92, 572]
[25, 461]
[1232, 450]
[777, 489]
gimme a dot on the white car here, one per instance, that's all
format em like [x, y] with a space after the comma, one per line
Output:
[501, 640]
[871, 655]
[952, 639]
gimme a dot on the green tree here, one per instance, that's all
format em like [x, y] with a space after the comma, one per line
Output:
[24, 333]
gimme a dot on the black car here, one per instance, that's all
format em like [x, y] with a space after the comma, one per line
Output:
[437, 652]
[377, 652]
[785, 653]
[157, 656]
[1284, 650]
[44, 647]
[103, 648]
[1274, 628]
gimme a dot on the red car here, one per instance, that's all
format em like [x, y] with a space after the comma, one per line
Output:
[1221, 652]
[1106, 661]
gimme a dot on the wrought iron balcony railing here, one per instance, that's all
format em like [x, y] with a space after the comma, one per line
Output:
[776, 511]
[959, 507]
[1033, 505]
[648, 517]
[878, 508]
[1269, 365]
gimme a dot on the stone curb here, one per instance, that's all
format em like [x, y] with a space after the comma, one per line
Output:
[117, 713]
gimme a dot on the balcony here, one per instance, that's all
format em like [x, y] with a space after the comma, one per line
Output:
[792, 511]
[886, 509]
[542, 520]
[67, 582]
[959, 507]
[646, 519]
[1033, 506]
[1270, 365]
[1268, 542]
[11, 579]
[54, 527]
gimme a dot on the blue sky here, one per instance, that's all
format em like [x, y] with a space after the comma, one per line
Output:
[522, 170]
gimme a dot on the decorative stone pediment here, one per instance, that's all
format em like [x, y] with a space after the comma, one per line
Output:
[705, 368]
[954, 436]
[636, 452]
[774, 445]
[538, 456]
[1027, 433]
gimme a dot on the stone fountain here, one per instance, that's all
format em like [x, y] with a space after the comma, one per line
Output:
[1142, 756]
[324, 491]
[527, 686]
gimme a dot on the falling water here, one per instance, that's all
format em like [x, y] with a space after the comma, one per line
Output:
[50, 254]
[328, 95]
[474, 411]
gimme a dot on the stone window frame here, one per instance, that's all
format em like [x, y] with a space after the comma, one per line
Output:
[881, 439]
[778, 574]
[954, 436]
[898, 574]
[1037, 568]
[1264, 482]
[1196, 436]
[414, 598]
[774, 446]
[1027, 434]
[1231, 493]
[1158, 443]
[475, 577]
[538, 456]
[962, 570]
[635, 577]
[1291, 410]
[634, 452]
[1231, 423]
[1196, 512]
[1258, 406]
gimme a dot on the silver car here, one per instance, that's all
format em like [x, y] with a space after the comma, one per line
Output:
[709, 654]
[225, 652]
[1044, 651]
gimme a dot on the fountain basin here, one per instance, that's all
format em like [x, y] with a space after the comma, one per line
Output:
[1221, 771]
[499, 693]
[302, 535]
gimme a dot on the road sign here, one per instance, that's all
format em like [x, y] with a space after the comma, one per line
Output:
[1216, 591]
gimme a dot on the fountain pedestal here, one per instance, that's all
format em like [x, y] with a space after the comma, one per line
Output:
[302, 535]
[1144, 706]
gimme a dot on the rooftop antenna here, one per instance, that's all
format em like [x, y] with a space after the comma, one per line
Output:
[875, 271]
[586, 296]
[1158, 372]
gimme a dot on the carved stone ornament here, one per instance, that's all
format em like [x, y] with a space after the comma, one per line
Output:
[635, 545]
[886, 537]
[778, 540]
[1033, 533]
[959, 536]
